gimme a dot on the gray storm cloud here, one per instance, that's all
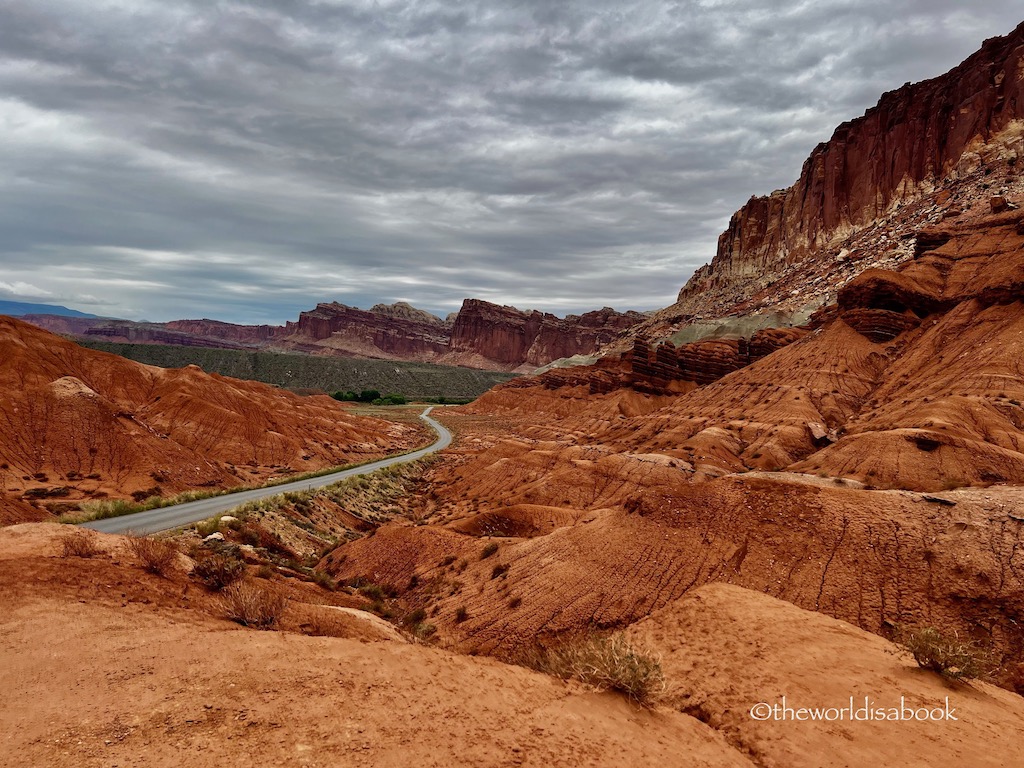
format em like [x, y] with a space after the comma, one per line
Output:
[244, 160]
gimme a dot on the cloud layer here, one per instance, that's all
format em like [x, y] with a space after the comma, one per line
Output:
[244, 160]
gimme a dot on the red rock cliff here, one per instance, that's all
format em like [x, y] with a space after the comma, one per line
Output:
[481, 335]
[910, 142]
[399, 331]
[513, 338]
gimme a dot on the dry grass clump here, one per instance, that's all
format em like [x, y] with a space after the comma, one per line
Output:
[79, 544]
[252, 605]
[950, 656]
[607, 663]
[157, 556]
[218, 570]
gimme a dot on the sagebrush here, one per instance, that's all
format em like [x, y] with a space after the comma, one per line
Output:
[951, 656]
[218, 570]
[157, 556]
[609, 663]
[253, 605]
[79, 544]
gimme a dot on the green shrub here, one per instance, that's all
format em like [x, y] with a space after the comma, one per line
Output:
[417, 616]
[372, 592]
[324, 580]
[218, 570]
[424, 630]
[499, 570]
[489, 550]
[207, 527]
[79, 544]
[158, 556]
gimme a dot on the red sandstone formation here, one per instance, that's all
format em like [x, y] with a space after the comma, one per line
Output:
[76, 424]
[397, 332]
[655, 367]
[528, 340]
[943, 150]
[870, 468]
[482, 335]
[214, 330]
[915, 137]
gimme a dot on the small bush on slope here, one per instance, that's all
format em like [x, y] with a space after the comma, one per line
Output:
[79, 544]
[951, 657]
[218, 570]
[157, 555]
[253, 606]
[607, 663]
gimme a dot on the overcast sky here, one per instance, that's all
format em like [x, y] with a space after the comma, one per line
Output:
[165, 159]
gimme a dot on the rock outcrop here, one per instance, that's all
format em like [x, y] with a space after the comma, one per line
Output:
[480, 335]
[883, 189]
[914, 138]
[398, 331]
[215, 330]
[656, 366]
[514, 338]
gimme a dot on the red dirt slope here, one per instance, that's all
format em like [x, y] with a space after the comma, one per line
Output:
[78, 424]
[169, 682]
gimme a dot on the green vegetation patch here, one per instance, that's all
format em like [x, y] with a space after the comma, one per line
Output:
[328, 374]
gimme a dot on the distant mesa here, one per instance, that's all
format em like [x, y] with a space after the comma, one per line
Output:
[21, 308]
[481, 335]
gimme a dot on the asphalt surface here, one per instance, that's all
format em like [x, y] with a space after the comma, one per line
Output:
[166, 518]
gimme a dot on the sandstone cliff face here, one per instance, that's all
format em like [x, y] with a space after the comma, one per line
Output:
[941, 153]
[514, 338]
[656, 367]
[480, 335]
[403, 333]
[915, 137]
[217, 330]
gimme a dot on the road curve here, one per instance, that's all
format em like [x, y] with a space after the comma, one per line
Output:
[165, 518]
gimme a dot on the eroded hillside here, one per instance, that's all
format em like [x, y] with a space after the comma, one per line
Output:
[870, 469]
[81, 425]
[170, 680]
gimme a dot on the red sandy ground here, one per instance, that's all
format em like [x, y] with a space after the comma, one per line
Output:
[104, 665]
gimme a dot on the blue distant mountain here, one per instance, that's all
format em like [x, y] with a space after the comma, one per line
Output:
[19, 308]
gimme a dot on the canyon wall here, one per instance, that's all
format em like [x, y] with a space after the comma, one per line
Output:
[898, 150]
[514, 338]
[480, 335]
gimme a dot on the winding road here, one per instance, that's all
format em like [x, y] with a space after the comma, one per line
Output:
[165, 518]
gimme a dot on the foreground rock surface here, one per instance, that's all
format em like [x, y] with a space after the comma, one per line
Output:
[169, 681]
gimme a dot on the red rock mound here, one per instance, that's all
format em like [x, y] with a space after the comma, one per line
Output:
[79, 424]
[130, 641]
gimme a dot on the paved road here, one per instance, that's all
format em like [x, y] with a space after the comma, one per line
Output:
[165, 518]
